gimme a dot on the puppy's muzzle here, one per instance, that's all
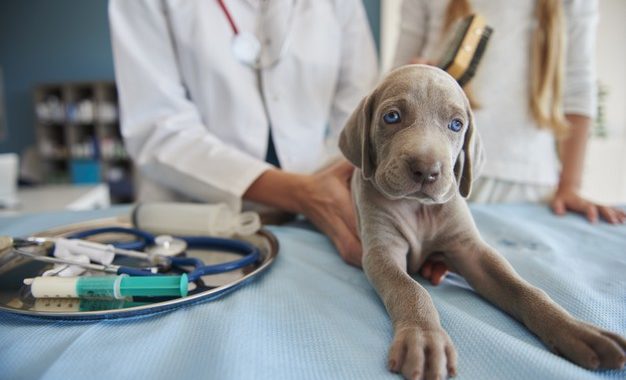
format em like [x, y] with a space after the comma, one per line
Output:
[424, 172]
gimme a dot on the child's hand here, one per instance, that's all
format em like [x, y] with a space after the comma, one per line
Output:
[568, 200]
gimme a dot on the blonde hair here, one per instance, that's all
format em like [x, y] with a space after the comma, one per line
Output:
[546, 61]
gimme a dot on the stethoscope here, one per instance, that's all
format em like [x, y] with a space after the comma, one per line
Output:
[163, 250]
[246, 46]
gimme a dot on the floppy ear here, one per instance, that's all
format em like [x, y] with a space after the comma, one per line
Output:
[354, 140]
[470, 160]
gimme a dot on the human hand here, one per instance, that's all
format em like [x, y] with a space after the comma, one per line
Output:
[567, 199]
[325, 199]
[434, 271]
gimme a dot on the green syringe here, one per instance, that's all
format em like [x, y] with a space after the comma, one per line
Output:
[118, 287]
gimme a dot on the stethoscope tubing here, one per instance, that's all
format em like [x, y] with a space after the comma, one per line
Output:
[250, 253]
[229, 17]
[137, 245]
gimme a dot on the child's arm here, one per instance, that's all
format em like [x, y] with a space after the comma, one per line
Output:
[572, 154]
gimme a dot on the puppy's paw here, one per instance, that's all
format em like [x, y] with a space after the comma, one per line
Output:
[422, 354]
[588, 345]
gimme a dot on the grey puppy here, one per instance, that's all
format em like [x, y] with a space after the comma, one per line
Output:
[415, 143]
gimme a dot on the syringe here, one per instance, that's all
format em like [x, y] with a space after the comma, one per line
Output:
[118, 287]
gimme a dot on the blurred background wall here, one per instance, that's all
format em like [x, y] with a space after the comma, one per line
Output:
[44, 41]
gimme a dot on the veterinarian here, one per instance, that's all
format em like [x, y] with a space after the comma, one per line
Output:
[536, 92]
[224, 100]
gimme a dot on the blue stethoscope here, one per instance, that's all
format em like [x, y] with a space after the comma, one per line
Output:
[165, 248]
[145, 240]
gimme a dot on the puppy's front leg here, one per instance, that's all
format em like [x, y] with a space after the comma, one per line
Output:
[421, 349]
[493, 278]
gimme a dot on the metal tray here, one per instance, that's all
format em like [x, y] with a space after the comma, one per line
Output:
[15, 297]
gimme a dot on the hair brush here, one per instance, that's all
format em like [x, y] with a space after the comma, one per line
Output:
[466, 48]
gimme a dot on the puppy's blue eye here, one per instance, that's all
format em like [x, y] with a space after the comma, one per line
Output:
[455, 125]
[391, 117]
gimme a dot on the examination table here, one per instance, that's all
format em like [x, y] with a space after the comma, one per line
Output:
[311, 316]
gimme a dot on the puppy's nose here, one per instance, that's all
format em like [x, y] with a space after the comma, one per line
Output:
[425, 172]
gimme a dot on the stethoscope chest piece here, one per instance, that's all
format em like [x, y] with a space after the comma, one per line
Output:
[166, 245]
[246, 48]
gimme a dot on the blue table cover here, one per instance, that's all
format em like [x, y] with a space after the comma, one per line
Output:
[313, 317]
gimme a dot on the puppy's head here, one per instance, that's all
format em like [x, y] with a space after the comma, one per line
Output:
[414, 136]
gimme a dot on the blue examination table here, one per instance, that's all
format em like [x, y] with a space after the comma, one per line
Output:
[313, 317]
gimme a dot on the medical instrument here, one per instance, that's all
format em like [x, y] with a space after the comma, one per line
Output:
[79, 305]
[164, 246]
[246, 46]
[113, 269]
[69, 270]
[194, 219]
[100, 253]
[466, 48]
[118, 287]
[17, 298]
[145, 240]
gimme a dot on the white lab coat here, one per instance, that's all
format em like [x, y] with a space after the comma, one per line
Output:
[192, 115]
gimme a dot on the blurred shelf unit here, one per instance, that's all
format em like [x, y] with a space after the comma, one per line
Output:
[79, 139]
